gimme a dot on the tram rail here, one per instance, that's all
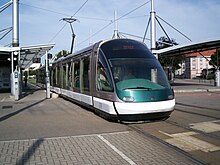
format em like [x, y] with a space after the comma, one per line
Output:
[195, 106]
[197, 110]
[143, 133]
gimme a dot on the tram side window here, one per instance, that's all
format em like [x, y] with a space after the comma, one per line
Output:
[58, 76]
[85, 75]
[76, 74]
[54, 77]
[103, 77]
[69, 75]
[64, 85]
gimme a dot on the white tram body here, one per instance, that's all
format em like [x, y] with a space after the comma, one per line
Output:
[118, 78]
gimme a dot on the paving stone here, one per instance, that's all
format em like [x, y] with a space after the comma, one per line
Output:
[90, 150]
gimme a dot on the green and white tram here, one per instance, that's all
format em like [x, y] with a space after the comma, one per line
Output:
[118, 78]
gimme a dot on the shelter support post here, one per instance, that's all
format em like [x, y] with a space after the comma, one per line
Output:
[47, 77]
[217, 73]
[217, 77]
[16, 79]
[20, 74]
[12, 74]
[16, 84]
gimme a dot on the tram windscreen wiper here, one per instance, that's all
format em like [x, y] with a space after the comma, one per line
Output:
[139, 88]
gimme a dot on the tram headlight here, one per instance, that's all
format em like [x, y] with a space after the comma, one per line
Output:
[170, 97]
[128, 99]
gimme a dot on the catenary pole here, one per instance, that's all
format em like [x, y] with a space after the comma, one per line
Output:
[115, 25]
[153, 26]
[15, 37]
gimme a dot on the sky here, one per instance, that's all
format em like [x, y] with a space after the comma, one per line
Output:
[41, 21]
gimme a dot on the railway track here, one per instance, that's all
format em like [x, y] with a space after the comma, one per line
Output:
[194, 130]
[143, 133]
[195, 106]
[195, 110]
[198, 110]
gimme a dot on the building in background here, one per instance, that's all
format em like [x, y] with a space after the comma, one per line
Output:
[195, 65]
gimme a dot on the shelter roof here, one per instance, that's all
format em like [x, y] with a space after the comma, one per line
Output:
[27, 53]
[189, 48]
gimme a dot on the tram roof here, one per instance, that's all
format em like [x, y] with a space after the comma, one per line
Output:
[189, 48]
[75, 53]
[27, 53]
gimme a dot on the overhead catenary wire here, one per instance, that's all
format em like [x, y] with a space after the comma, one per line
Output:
[52, 11]
[110, 21]
[93, 18]
[66, 22]
[114, 21]
[64, 14]
[59, 14]
[122, 33]
[57, 33]
[134, 17]
[80, 8]
[47, 10]
[133, 10]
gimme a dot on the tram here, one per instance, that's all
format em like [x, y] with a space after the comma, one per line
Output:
[119, 79]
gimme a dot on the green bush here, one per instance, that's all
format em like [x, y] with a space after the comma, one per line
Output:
[210, 76]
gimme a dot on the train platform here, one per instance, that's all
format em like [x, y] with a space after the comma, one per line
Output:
[35, 130]
[194, 85]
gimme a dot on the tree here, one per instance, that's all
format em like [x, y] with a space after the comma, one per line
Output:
[61, 54]
[164, 42]
[215, 59]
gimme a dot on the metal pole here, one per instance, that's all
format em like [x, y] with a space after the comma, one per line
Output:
[153, 26]
[73, 37]
[70, 21]
[20, 74]
[47, 77]
[12, 74]
[12, 62]
[15, 37]
[115, 25]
